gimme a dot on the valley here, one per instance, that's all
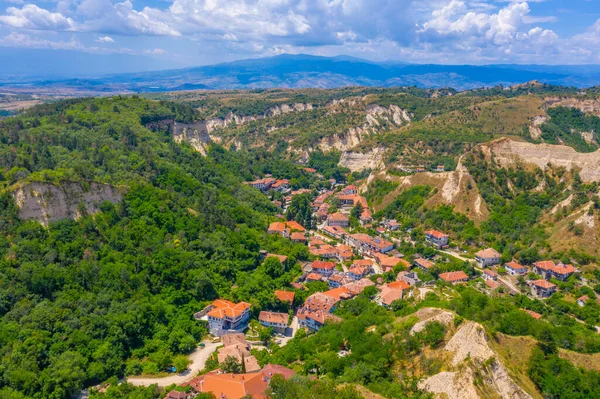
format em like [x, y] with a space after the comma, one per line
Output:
[355, 242]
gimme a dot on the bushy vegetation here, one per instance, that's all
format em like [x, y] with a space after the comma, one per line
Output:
[566, 125]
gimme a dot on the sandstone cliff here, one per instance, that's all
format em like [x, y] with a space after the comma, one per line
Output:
[507, 152]
[46, 202]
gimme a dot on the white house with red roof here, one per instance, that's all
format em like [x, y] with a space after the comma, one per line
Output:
[548, 269]
[226, 317]
[515, 269]
[542, 288]
[487, 257]
[436, 238]
[323, 268]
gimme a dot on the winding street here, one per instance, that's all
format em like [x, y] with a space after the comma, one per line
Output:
[198, 358]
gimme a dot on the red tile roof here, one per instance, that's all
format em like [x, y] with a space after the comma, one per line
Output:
[424, 263]
[488, 253]
[492, 284]
[314, 277]
[544, 284]
[338, 217]
[322, 265]
[285, 296]
[490, 272]
[533, 314]
[515, 266]
[454, 276]
[223, 308]
[273, 317]
[399, 285]
[297, 236]
[436, 234]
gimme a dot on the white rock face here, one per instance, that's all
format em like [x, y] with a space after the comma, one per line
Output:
[195, 134]
[356, 161]
[508, 152]
[47, 202]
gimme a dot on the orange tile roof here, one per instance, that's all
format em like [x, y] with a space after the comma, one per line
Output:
[293, 225]
[322, 265]
[277, 227]
[273, 317]
[544, 284]
[285, 296]
[358, 270]
[424, 263]
[436, 234]
[363, 262]
[515, 266]
[389, 295]
[490, 272]
[399, 285]
[564, 269]
[224, 308]
[297, 236]
[545, 265]
[339, 293]
[338, 217]
[387, 261]
[533, 314]
[492, 284]
[314, 277]
[488, 253]
[454, 276]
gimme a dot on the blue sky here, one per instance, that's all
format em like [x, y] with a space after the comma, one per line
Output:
[123, 35]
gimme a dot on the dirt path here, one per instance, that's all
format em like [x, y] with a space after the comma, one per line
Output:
[198, 358]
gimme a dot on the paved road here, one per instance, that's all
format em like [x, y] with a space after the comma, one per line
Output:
[198, 358]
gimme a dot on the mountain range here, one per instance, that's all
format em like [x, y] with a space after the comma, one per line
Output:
[302, 71]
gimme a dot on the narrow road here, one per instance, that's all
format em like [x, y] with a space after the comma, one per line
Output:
[198, 358]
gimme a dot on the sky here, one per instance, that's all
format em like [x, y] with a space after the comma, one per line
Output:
[93, 36]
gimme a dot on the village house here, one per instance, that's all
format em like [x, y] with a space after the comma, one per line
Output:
[275, 320]
[298, 237]
[338, 280]
[281, 185]
[279, 228]
[391, 292]
[224, 316]
[324, 251]
[487, 257]
[492, 284]
[350, 190]
[345, 253]
[336, 232]
[338, 219]
[582, 300]
[409, 277]
[436, 238]
[365, 244]
[392, 225]
[542, 288]
[180, 395]
[285, 296]
[515, 269]
[423, 264]
[316, 311]
[236, 346]
[314, 277]
[323, 268]
[548, 269]
[454, 277]
[238, 386]
[262, 184]
[490, 275]
[357, 272]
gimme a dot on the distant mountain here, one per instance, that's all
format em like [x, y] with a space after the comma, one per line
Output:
[302, 71]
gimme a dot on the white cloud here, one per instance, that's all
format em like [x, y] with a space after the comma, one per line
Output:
[34, 17]
[105, 39]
